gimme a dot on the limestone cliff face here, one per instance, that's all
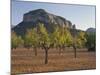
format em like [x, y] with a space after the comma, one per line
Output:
[32, 18]
[45, 17]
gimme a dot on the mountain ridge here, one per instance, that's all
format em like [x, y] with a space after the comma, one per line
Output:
[91, 30]
[32, 18]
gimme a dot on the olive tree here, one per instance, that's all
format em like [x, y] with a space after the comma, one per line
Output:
[44, 40]
[31, 39]
[16, 41]
[61, 38]
[81, 39]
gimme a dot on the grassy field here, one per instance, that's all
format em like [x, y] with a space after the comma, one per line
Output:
[25, 61]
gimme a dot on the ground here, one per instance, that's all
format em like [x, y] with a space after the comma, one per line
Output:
[25, 61]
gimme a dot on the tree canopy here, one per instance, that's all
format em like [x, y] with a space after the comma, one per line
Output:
[16, 41]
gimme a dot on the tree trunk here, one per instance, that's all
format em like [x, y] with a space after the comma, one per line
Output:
[59, 51]
[35, 51]
[28, 48]
[63, 48]
[46, 56]
[74, 47]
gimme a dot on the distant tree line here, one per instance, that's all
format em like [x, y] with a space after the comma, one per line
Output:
[60, 38]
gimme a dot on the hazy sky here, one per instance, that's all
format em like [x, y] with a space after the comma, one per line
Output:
[82, 16]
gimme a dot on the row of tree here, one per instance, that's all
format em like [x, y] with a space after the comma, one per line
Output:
[60, 38]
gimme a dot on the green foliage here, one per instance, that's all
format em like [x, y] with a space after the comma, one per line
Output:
[66, 37]
[61, 37]
[44, 37]
[81, 39]
[44, 40]
[91, 41]
[16, 41]
[31, 38]
[55, 36]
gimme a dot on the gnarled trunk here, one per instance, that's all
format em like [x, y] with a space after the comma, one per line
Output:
[46, 52]
[35, 51]
[74, 47]
[59, 51]
[46, 56]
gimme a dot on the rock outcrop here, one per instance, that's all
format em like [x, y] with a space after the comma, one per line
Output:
[91, 30]
[32, 18]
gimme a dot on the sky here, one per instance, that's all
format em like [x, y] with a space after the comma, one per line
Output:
[83, 16]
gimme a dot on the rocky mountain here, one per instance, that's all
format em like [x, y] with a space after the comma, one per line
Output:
[91, 30]
[32, 18]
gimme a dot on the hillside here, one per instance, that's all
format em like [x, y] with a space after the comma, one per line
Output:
[32, 18]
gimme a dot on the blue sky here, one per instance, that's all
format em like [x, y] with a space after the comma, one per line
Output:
[83, 16]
